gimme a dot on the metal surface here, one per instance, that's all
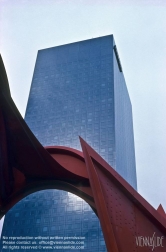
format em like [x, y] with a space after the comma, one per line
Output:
[26, 166]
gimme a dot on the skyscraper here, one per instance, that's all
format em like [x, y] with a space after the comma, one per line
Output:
[77, 89]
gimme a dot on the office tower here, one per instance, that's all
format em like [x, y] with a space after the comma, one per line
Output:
[77, 89]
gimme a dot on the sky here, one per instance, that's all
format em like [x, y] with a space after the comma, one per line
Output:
[138, 26]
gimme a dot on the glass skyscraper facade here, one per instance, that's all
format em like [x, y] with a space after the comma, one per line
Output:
[77, 89]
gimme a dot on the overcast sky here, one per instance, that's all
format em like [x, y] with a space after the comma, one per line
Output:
[139, 31]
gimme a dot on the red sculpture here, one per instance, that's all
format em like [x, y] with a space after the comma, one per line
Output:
[127, 220]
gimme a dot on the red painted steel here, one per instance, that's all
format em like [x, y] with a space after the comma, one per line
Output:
[160, 209]
[26, 167]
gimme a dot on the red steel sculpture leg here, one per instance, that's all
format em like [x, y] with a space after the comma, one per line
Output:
[128, 215]
[26, 167]
[100, 202]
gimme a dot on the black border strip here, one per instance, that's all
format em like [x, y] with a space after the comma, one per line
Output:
[117, 58]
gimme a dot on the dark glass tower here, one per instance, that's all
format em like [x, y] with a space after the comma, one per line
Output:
[77, 89]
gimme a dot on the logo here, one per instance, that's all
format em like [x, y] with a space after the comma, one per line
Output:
[154, 241]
